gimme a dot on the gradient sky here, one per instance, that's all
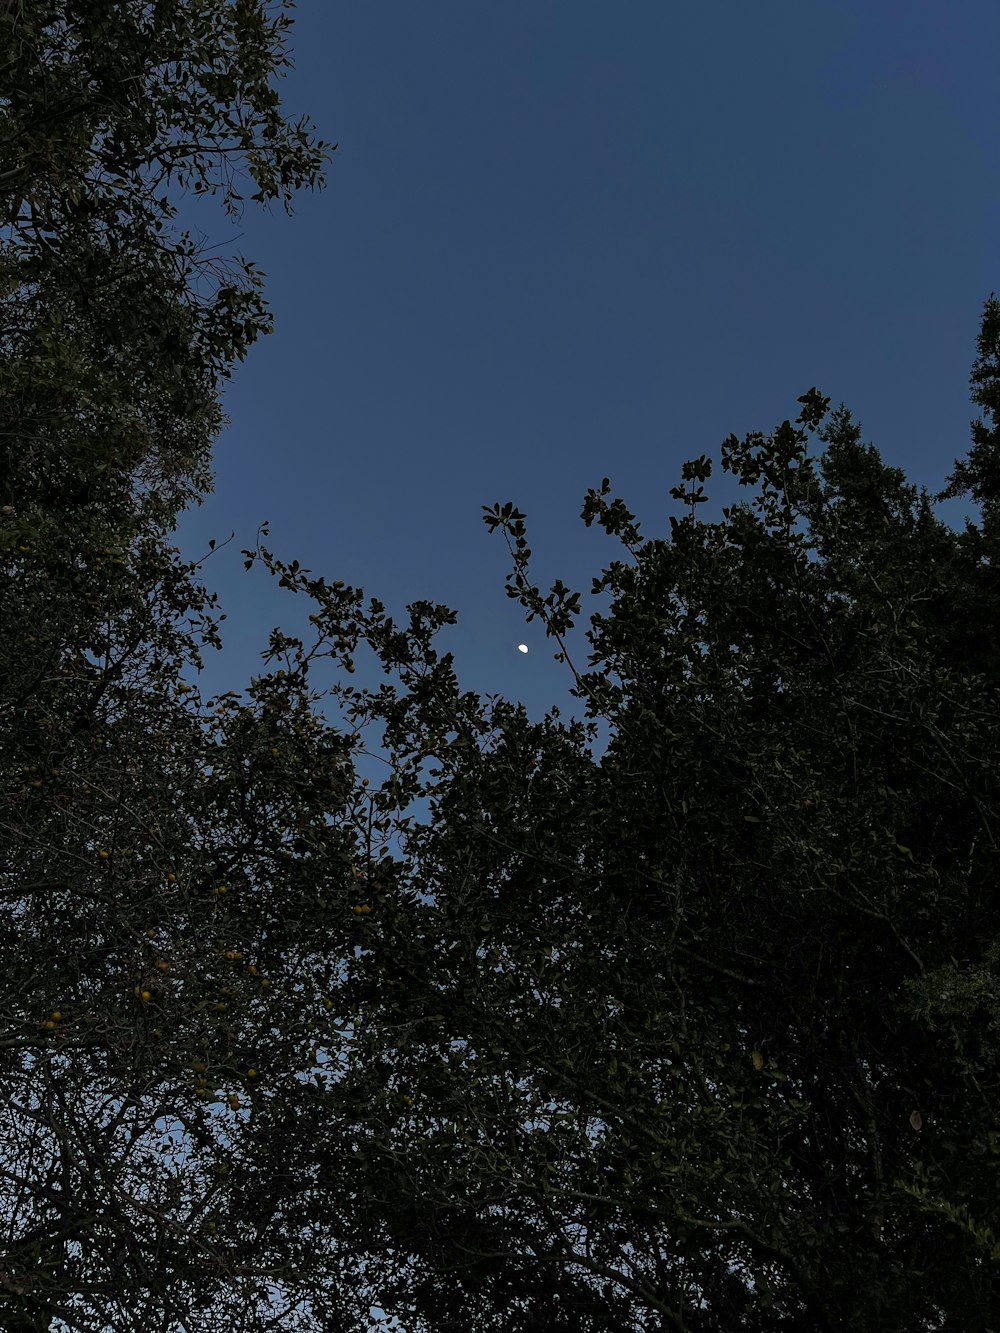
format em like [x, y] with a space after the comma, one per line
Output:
[567, 240]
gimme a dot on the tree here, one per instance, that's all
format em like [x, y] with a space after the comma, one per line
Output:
[116, 330]
[702, 1036]
[175, 880]
[177, 883]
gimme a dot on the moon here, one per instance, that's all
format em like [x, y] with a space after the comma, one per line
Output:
[522, 647]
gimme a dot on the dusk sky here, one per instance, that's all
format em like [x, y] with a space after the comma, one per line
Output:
[562, 241]
[567, 240]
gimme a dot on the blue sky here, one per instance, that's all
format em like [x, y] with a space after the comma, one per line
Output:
[567, 240]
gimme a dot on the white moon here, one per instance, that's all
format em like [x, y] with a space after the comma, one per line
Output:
[522, 647]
